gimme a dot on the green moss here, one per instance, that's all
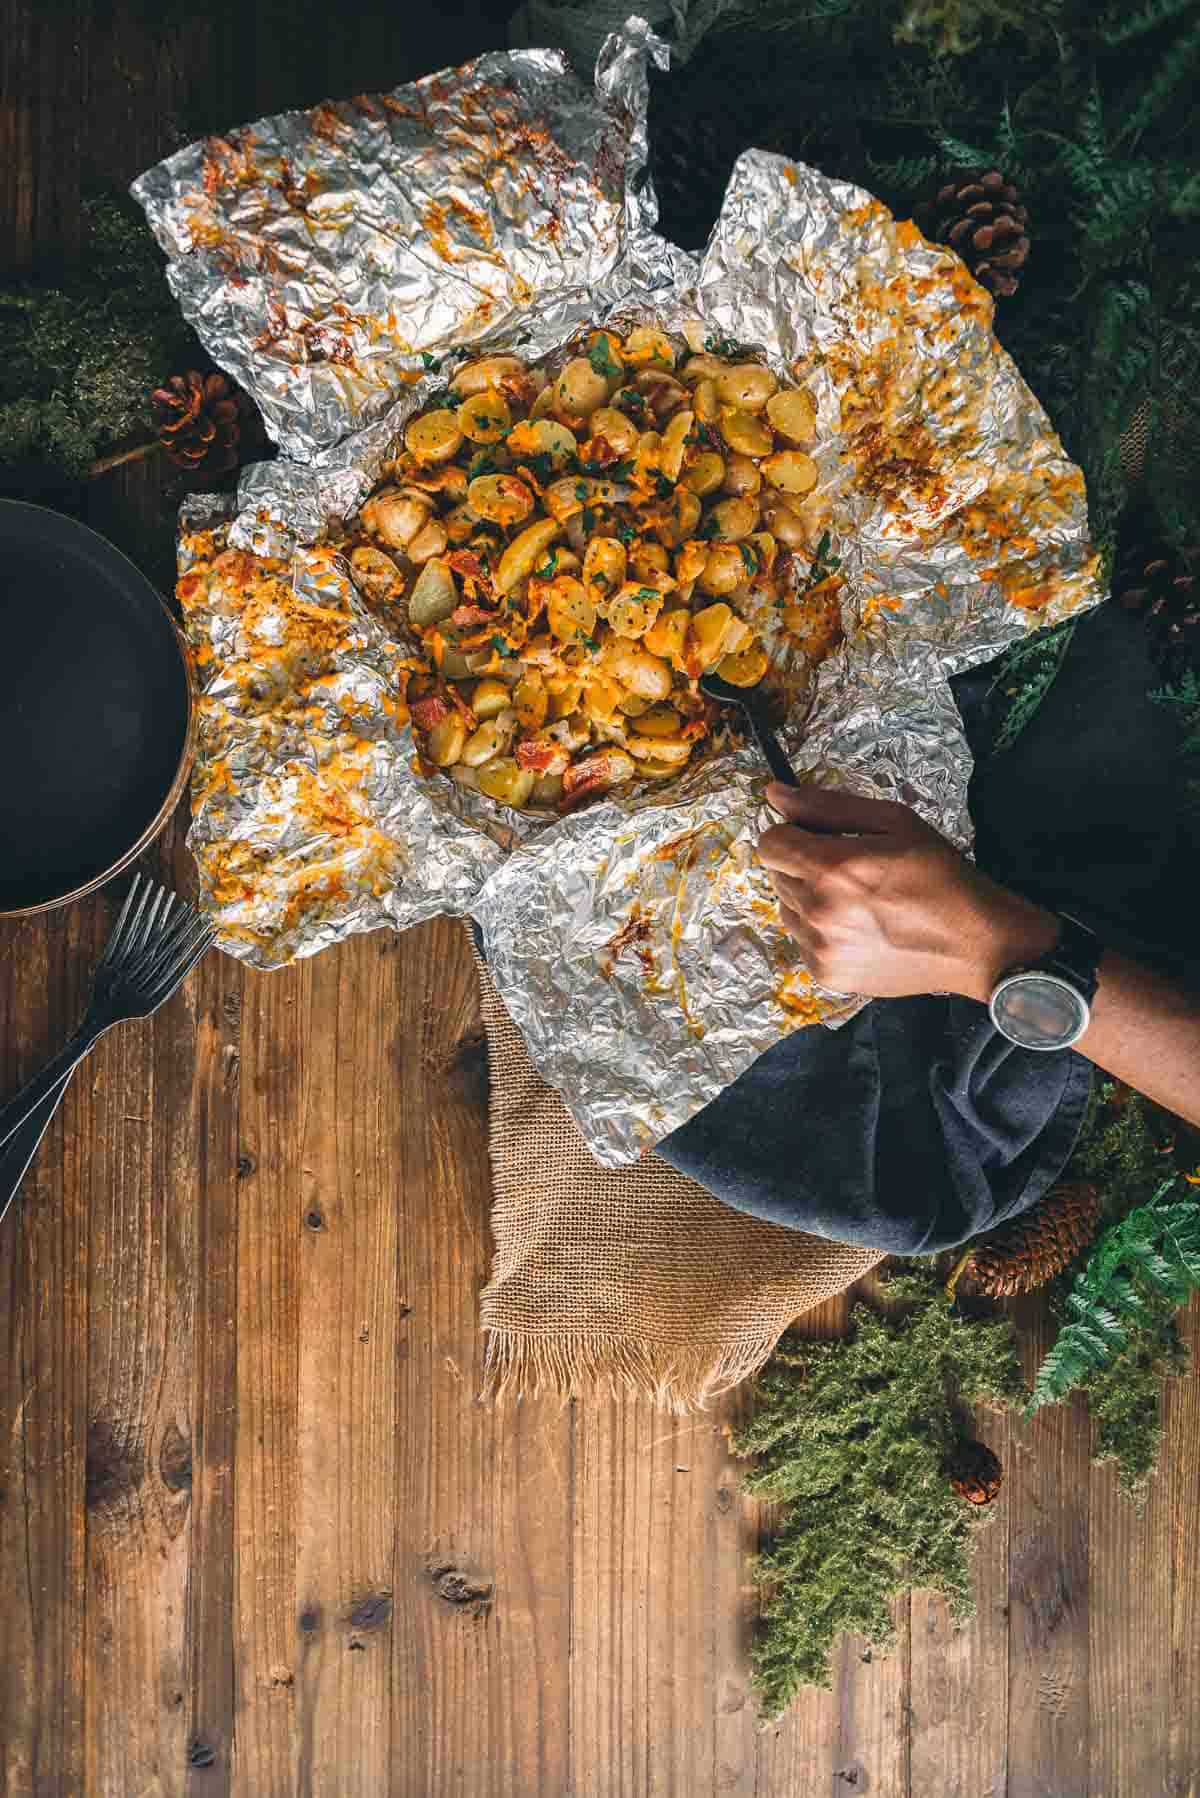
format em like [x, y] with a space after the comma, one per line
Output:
[854, 1439]
[80, 355]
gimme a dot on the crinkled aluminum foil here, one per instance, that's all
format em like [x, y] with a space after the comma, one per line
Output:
[504, 205]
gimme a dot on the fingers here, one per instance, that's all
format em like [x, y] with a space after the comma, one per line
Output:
[825, 809]
[788, 850]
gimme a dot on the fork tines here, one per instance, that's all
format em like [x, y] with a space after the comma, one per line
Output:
[156, 940]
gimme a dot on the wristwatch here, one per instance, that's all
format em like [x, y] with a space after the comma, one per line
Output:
[1047, 1004]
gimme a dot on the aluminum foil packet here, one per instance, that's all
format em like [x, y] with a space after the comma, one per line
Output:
[326, 259]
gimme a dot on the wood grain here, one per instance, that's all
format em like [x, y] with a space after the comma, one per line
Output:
[257, 1535]
[1048, 1662]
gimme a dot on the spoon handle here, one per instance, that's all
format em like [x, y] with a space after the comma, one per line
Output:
[771, 747]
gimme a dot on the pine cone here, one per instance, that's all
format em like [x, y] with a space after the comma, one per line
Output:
[1162, 584]
[1032, 1249]
[979, 214]
[199, 422]
[976, 1473]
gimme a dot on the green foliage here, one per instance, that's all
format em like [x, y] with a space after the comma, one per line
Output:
[1023, 678]
[853, 1439]
[1147, 1260]
[1125, 1396]
[1184, 699]
[79, 357]
[953, 27]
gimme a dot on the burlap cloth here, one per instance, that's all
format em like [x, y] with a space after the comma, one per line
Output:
[632, 1277]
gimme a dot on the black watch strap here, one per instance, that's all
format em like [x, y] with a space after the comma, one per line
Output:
[1075, 956]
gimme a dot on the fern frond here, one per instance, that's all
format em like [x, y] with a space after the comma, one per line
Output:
[1122, 27]
[1177, 72]
[1151, 1255]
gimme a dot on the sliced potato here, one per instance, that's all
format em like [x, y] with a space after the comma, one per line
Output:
[431, 540]
[706, 473]
[505, 373]
[734, 519]
[706, 639]
[524, 552]
[742, 476]
[570, 611]
[635, 668]
[793, 414]
[490, 697]
[492, 738]
[375, 574]
[604, 568]
[531, 701]
[746, 385]
[485, 417]
[745, 667]
[547, 789]
[706, 403]
[744, 432]
[682, 517]
[434, 596]
[724, 569]
[444, 744]
[617, 430]
[668, 634]
[542, 437]
[580, 389]
[504, 781]
[791, 471]
[633, 609]
[645, 345]
[396, 517]
[658, 721]
[433, 436]
[674, 443]
[502, 498]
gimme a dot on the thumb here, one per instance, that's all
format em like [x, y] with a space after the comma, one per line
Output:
[826, 809]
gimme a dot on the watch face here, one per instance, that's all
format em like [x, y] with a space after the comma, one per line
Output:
[1039, 1011]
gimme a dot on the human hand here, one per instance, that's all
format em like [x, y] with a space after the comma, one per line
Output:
[893, 909]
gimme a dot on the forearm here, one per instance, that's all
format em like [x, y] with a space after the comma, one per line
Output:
[1144, 1030]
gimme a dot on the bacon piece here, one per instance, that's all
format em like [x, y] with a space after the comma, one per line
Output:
[542, 757]
[471, 617]
[429, 711]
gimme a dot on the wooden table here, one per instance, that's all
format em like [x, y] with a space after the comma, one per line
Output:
[257, 1535]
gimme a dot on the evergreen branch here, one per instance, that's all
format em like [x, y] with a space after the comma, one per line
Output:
[1122, 27]
[1153, 1253]
[1176, 73]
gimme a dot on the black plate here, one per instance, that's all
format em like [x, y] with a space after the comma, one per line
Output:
[95, 708]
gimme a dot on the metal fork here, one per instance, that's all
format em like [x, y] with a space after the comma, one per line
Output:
[155, 943]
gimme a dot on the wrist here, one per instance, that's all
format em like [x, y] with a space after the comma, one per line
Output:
[1012, 933]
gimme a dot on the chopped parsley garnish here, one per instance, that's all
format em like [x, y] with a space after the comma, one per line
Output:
[602, 361]
[432, 363]
[502, 648]
[626, 532]
[589, 519]
[749, 559]
[621, 471]
[482, 463]
[546, 571]
[598, 579]
[542, 465]
[647, 592]
[590, 643]
[710, 527]
[453, 397]
[716, 345]
[581, 490]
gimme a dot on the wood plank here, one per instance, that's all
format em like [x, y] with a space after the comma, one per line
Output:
[265, 1759]
[960, 1675]
[1182, 1547]
[854, 1737]
[209, 1640]
[348, 1321]
[1048, 1672]
[136, 1177]
[481, 1569]
[43, 1390]
[1129, 1593]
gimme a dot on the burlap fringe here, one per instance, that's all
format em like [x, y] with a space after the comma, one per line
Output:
[676, 1379]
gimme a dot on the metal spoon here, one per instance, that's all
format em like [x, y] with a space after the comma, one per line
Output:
[754, 705]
